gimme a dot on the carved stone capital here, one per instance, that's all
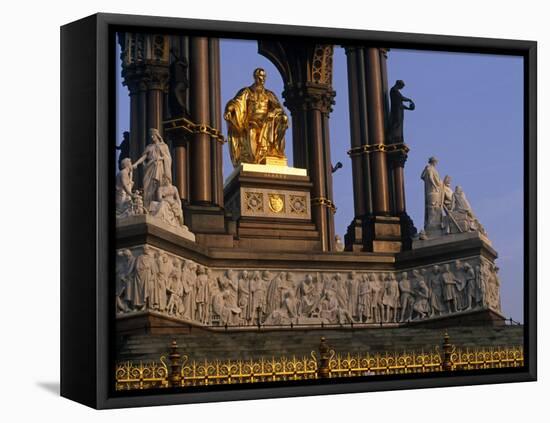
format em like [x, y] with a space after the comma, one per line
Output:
[397, 158]
[309, 97]
[142, 77]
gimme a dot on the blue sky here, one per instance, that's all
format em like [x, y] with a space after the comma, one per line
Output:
[469, 114]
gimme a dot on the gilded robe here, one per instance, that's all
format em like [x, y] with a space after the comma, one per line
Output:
[256, 125]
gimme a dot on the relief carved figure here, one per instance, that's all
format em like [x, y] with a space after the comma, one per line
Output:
[493, 291]
[287, 313]
[244, 298]
[421, 296]
[436, 287]
[189, 277]
[341, 291]
[460, 285]
[277, 287]
[407, 297]
[201, 295]
[143, 281]
[353, 294]
[258, 292]
[158, 292]
[308, 299]
[483, 275]
[470, 294]
[225, 302]
[376, 292]
[390, 298]
[332, 311]
[364, 300]
[449, 288]
[125, 268]
[176, 290]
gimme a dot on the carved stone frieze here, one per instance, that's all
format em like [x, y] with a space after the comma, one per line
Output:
[151, 279]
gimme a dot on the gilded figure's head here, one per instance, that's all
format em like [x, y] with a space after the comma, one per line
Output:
[259, 76]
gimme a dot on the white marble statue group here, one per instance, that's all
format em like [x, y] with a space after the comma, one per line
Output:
[446, 211]
[151, 279]
[159, 198]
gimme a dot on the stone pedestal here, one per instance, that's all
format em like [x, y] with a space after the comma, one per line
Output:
[271, 205]
[145, 221]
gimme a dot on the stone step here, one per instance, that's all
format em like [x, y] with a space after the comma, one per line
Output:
[246, 345]
[287, 225]
[278, 233]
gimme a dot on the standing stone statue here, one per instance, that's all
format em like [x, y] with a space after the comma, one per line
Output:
[256, 123]
[158, 165]
[398, 106]
[339, 244]
[433, 197]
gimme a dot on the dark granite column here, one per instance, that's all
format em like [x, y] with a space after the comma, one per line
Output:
[155, 106]
[359, 153]
[181, 177]
[397, 165]
[215, 120]
[315, 104]
[359, 182]
[138, 133]
[331, 209]
[178, 107]
[200, 154]
[377, 132]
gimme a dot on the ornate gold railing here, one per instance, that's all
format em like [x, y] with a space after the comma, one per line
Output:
[182, 373]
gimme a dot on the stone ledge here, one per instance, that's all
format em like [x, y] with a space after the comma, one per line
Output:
[145, 219]
[154, 323]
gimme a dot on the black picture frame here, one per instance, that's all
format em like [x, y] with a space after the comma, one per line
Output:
[87, 227]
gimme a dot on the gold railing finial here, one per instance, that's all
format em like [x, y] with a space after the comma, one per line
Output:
[323, 370]
[447, 347]
[174, 378]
